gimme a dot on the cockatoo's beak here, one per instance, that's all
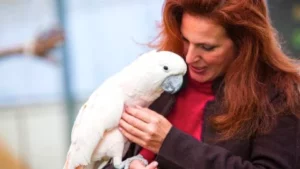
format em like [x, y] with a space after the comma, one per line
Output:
[172, 83]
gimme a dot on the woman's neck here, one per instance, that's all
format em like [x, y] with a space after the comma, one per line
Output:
[200, 86]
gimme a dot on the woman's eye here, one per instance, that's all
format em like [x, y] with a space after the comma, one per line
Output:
[207, 47]
[184, 39]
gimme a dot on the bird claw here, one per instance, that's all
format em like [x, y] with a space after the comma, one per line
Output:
[125, 164]
[120, 166]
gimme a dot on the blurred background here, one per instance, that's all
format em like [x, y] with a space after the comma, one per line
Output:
[54, 53]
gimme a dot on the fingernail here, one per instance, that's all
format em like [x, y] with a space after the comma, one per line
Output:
[130, 107]
[138, 106]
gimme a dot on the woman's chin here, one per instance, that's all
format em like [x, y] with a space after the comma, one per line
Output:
[200, 77]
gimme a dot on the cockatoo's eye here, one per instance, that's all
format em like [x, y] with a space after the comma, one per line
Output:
[166, 68]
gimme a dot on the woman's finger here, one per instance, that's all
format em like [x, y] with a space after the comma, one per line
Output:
[139, 113]
[148, 112]
[132, 138]
[131, 129]
[152, 165]
[134, 121]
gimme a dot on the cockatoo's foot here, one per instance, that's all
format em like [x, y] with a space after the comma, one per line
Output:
[125, 164]
[121, 166]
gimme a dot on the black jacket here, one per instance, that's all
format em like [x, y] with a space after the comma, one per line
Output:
[279, 149]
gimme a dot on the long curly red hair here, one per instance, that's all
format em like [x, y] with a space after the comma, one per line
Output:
[260, 65]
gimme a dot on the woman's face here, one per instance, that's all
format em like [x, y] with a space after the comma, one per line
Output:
[207, 48]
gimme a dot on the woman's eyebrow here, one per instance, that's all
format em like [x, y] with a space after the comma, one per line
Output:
[197, 43]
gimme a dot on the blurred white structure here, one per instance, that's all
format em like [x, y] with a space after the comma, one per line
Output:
[103, 36]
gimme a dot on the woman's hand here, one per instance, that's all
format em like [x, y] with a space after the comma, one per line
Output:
[137, 164]
[144, 127]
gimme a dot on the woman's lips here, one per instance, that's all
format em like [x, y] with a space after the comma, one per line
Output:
[198, 69]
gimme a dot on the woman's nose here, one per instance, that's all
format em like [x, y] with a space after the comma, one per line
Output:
[191, 55]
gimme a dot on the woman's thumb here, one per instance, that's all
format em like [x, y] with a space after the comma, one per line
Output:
[152, 165]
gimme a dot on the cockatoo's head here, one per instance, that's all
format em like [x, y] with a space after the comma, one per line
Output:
[163, 69]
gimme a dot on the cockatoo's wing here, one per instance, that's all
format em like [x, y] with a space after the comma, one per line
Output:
[100, 113]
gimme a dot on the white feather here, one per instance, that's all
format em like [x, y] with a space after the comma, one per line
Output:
[94, 134]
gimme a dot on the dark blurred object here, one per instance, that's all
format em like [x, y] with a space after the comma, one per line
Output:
[39, 46]
[8, 160]
[285, 15]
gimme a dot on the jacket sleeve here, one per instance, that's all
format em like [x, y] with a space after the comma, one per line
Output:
[276, 150]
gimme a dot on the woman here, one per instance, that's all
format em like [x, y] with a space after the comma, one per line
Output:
[240, 104]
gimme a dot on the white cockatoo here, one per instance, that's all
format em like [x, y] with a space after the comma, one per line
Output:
[95, 135]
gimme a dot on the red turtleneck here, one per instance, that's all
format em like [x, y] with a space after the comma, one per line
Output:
[187, 113]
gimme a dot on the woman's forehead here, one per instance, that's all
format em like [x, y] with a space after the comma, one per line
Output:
[197, 27]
